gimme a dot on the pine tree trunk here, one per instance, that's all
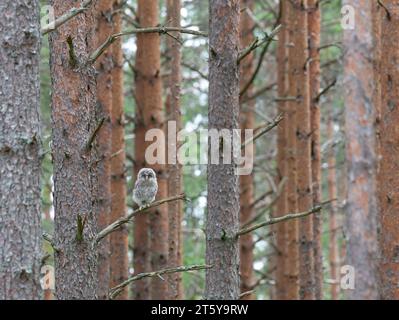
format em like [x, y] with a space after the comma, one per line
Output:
[150, 115]
[20, 225]
[222, 280]
[174, 169]
[74, 121]
[247, 121]
[388, 194]
[282, 204]
[361, 217]
[104, 64]
[119, 239]
[292, 266]
[333, 223]
[314, 20]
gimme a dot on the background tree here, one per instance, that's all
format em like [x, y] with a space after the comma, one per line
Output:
[20, 150]
[314, 30]
[150, 114]
[119, 239]
[174, 168]
[361, 217]
[104, 67]
[388, 167]
[247, 121]
[222, 281]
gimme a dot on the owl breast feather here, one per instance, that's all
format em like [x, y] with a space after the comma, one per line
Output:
[144, 192]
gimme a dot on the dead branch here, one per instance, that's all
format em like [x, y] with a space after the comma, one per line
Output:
[65, 17]
[121, 221]
[113, 293]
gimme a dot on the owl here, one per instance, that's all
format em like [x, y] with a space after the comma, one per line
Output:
[145, 188]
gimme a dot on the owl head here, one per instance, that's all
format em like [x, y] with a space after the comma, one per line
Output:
[146, 174]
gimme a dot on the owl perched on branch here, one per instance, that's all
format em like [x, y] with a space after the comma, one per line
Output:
[145, 188]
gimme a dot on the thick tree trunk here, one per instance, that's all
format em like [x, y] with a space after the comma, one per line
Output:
[222, 280]
[104, 65]
[361, 217]
[174, 169]
[247, 121]
[20, 225]
[74, 99]
[388, 191]
[314, 19]
[333, 223]
[150, 115]
[119, 239]
[292, 265]
[282, 204]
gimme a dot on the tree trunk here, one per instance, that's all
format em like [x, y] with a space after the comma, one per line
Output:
[282, 204]
[74, 99]
[314, 17]
[174, 174]
[388, 193]
[119, 239]
[104, 67]
[361, 217]
[303, 148]
[292, 266]
[247, 121]
[222, 280]
[20, 225]
[333, 223]
[150, 115]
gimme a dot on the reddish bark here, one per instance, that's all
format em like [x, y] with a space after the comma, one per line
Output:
[388, 191]
[314, 20]
[103, 11]
[247, 121]
[119, 239]
[282, 205]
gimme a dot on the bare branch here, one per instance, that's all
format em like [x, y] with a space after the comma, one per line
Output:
[289, 216]
[257, 43]
[93, 135]
[49, 238]
[121, 221]
[161, 30]
[66, 17]
[264, 130]
[113, 293]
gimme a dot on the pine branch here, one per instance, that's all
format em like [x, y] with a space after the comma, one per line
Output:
[113, 293]
[121, 221]
[93, 135]
[66, 17]
[263, 130]
[257, 43]
[161, 30]
[287, 217]
[49, 238]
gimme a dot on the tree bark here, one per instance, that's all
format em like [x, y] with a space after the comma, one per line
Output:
[300, 74]
[222, 280]
[388, 194]
[104, 65]
[333, 223]
[361, 217]
[314, 20]
[150, 115]
[174, 168]
[247, 121]
[74, 122]
[292, 265]
[20, 143]
[282, 173]
[118, 239]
